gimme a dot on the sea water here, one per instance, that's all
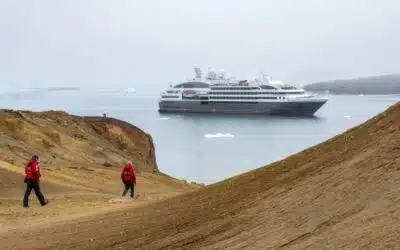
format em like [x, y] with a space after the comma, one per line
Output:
[208, 148]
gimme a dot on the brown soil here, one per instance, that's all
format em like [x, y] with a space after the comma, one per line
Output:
[81, 159]
[341, 194]
[77, 141]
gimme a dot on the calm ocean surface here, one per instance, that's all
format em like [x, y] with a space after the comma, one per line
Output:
[206, 148]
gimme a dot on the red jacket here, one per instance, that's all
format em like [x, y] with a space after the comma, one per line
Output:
[128, 173]
[32, 171]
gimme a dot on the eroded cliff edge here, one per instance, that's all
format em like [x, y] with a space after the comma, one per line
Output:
[73, 141]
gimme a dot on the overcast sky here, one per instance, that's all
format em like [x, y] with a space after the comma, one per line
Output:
[132, 43]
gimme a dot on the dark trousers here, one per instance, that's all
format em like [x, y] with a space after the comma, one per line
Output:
[33, 184]
[129, 185]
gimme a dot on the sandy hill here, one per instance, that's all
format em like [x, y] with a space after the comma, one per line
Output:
[81, 159]
[59, 137]
[341, 194]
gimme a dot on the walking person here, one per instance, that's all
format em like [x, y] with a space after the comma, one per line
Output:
[128, 177]
[32, 179]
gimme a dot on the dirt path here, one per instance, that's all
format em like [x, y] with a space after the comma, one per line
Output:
[14, 218]
[74, 195]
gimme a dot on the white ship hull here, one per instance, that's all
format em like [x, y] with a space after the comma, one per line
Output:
[290, 108]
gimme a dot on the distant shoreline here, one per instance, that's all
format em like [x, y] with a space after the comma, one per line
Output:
[373, 85]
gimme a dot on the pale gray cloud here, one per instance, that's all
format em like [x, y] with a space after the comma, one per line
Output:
[151, 43]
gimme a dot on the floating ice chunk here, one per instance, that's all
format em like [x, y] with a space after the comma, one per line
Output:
[219, 135]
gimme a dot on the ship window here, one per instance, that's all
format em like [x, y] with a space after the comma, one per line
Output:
[252, 102]
[288, 87]
[192, 85]
[170, 96]
[267, 87]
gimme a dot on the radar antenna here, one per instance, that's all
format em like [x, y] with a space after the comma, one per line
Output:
[266, 77]
[198, 72]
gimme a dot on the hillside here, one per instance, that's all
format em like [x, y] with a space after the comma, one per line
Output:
[373, 85]
[57, 136]
[343, 193]
[81, 159]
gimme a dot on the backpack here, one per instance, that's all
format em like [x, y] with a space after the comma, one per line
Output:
[127, 174]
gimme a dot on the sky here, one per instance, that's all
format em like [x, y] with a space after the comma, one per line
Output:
[151, 44]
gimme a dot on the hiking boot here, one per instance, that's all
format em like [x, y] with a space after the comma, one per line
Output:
[45, 202]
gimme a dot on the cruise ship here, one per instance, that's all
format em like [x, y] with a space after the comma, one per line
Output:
[214, 93]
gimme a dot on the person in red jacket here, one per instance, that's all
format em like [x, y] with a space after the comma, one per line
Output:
[128, 178]
[32, 179]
